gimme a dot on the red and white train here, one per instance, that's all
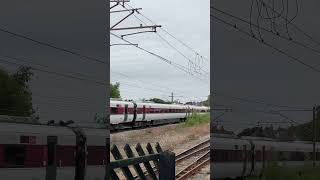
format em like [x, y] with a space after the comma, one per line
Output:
[237, 158]
[134, 114]
[33, 152]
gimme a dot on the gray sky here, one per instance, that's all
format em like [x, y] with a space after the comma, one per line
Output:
[73, 24]
[186, 20]
[246, 68]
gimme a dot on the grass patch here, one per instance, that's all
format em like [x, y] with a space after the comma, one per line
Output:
[281, 173]
[197, 119]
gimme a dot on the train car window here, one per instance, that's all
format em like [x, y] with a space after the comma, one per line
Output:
[96, 155]
[139, 110]
[15, 155]
[244, 153]
[114, 110]
[130, 110]
[65, 155]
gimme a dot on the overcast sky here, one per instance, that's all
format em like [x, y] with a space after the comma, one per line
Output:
[245, 68]
[188, 21]
[75, 25]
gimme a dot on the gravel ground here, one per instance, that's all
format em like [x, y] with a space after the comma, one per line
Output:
[176, 138]
[204, 173]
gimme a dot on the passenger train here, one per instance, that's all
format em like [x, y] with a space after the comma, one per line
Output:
[133, 114]
[34, 152]
[236, 158]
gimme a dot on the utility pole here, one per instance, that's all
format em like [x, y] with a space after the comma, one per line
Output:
[314, 125]
[172, 97]
[314, 136]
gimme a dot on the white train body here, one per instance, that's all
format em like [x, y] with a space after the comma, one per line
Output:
[142, 114]
[25, 152]
[233, 157]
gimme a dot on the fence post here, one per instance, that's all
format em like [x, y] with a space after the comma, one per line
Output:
[167, 166]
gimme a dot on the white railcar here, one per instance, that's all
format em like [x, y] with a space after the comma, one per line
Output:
[26, 151]
[238, 157]
[139, 114]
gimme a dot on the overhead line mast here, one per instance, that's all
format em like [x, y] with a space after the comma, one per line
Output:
[132, 11]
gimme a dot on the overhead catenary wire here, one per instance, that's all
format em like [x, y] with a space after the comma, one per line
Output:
[266, 30]
[292, 58]
[294, 25]
[79, 78]
[172, 46]
[183, 43]
[181, 67]
[51, 45]
[255, 101]
[271, 112]
[70, 76]
[145, 83]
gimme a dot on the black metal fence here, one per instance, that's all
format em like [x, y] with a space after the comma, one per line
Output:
[163, 167]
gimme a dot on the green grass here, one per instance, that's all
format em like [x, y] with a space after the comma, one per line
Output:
[281, 173]
[197, 119]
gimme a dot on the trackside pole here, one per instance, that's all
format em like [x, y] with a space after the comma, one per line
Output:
[314, 136]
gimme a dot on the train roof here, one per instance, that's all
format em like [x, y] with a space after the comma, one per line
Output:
[156, 105]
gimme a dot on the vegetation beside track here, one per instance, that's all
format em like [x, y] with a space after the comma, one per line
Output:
[198, 119]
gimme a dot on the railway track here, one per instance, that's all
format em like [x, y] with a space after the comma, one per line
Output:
[202, 149]
[193, 167]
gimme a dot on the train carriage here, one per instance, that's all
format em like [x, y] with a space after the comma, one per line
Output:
[26, 151]
[128, 114]
[230, 156]
[257, 154]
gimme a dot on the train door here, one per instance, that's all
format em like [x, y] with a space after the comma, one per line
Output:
[51, 170]
[125, 112]
[134, 113]
[143, 112]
